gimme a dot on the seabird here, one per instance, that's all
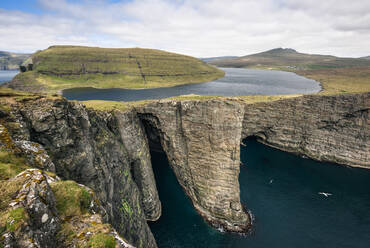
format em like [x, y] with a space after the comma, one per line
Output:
[325, 194]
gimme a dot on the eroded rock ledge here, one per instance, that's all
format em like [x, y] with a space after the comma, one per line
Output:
[109, 152]
[325, 128]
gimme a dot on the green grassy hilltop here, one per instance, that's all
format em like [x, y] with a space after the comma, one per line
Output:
[61, 67]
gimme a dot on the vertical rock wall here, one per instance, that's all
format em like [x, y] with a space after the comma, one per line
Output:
[325, 128]
[202, 143]
[134, 139]
[101, 151]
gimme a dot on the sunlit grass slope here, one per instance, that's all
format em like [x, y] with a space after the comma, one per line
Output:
[61, 67]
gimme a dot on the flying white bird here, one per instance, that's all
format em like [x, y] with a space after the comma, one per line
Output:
[271, 181]
[325, 194]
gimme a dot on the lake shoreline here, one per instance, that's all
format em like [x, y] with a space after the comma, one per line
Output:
[237, 82]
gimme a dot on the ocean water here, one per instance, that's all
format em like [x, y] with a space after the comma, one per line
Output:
[8, 75]
[282, 192]
[237, 82]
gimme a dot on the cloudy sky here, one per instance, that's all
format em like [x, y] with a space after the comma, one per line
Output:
[199, 28]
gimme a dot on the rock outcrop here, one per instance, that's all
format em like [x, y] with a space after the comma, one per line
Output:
[47, 212]
[37, 209]
[87, 146]
[32, 218]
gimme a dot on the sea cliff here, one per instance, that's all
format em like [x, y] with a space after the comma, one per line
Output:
[109, 151]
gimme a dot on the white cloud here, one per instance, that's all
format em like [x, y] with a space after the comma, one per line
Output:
[198, 28]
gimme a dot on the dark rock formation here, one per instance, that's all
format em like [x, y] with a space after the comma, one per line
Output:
[34, 211]
[135, 141]
[87, 147]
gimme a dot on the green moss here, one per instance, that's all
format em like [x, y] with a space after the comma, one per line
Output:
[5, 108]
[85, 198]
[125, 173]
[16, 217]
[8, 192]
[102, 240]
[67, 233]
[5, 138]
[11, 165]
[75, 231]
[71, 199]
[138, 207]
[125, 207]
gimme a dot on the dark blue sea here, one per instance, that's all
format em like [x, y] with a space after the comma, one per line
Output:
[282, 192]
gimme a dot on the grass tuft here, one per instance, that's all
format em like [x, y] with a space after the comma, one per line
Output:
[11, 165]
[72, 199]
[16, 217]
[102, 240]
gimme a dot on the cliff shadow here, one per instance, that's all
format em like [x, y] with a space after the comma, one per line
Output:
[179, 221]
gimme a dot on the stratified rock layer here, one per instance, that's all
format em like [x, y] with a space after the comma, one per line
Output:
[202, 143]
[325, 128]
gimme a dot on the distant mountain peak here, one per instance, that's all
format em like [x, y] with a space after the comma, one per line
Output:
[282, 50]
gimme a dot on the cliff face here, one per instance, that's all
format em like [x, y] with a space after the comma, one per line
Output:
[88, 147]
[325, 128]
[202, 143]
[109, 152]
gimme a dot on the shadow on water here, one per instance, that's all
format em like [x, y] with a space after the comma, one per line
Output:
[282, 191]
[179, 225]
